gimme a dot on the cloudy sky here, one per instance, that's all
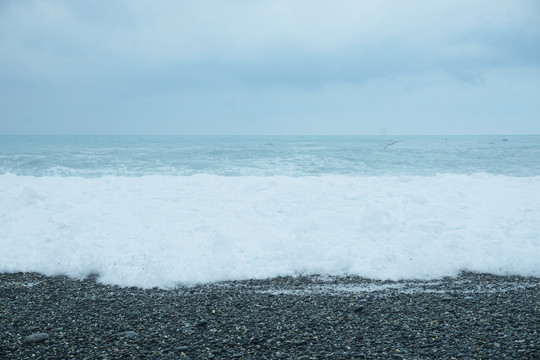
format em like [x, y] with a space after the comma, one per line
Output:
[270, 67]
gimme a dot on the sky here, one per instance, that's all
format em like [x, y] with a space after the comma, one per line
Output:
[244, 67]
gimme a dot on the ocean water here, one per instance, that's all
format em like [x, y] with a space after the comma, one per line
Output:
[166, 210]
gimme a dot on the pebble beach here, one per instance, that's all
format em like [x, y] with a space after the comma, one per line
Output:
[470, 316]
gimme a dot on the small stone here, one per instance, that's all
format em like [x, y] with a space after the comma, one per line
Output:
[359, 309]
[127, 334]
[256, 340]
[35, 338]
[201, 323]
[181, 348]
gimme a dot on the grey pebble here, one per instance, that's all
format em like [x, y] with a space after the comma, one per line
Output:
[201, 323]
[35, 338]
[127, 334]
[484, 316]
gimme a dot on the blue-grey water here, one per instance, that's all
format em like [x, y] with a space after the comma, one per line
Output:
[94, 156]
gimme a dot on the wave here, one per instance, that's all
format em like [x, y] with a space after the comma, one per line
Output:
[164, 230]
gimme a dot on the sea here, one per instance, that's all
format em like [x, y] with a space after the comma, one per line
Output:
[162, 211]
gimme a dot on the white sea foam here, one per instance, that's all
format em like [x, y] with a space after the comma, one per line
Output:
[163, 230]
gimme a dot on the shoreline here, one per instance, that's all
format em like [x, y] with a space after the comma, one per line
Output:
[475, 316]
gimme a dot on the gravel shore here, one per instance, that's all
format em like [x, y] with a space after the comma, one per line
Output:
[471, 316]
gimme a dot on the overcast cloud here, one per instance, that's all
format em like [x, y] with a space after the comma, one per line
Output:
[269, 67]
